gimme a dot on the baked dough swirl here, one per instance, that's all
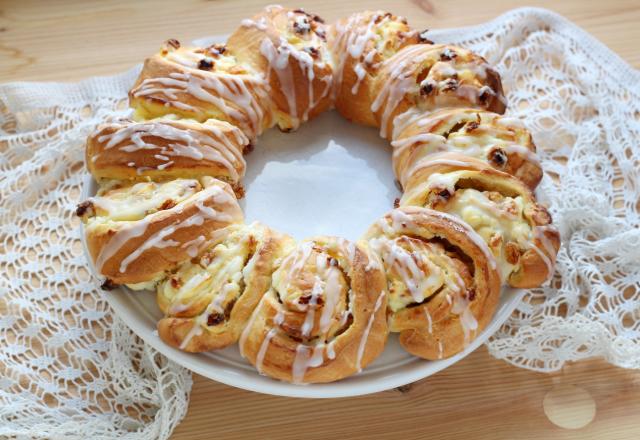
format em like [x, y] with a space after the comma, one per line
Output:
[164, 149]
[289, 48]
[136, 232]
[425, 77]
[207, 301]
[499, 207]
[200, 84]
[324, 317]
[502, 142]
[441, 277]
[360, 44]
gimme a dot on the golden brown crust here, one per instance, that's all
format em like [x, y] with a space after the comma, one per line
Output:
[441, 278]
[360, 44]
[172, 83]
[162, 149]
[289, 48]
[427, 77]
[215, 314]
[131, 252]
[323, 319]
[504, 143]
[436, 182]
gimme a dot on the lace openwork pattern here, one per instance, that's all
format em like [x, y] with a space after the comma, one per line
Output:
[68, 366]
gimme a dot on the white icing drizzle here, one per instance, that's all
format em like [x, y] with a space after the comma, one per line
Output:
[249, 327]
[367, 330]
[158, 239]
[548, 253]
[279, 58]
[391, 93]
[263, 349]
[193, 246]
[473, 236]
[401, 81]
[306, 357]
[212, 143]
[352, 40]
[238, 97]
[429, 321]
[440, 350]
[360, 73]
[196, 330]
[260, 24]
[468, 322]
[316, 292]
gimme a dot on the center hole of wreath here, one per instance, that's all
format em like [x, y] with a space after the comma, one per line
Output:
[331, 177]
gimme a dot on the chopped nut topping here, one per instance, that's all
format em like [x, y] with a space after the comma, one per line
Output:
[450, 84]
[313, 51]
[498, 157]
[473, 125]
[426, 87]
[396, 203]
[495, 241]
[321, 34]
[301, 25]
[216, 49]
[173, 43]
[422, 37]
[445, 194]
[471, 294]
[485, 94]
[247, 148]
[305, 299]
[511, 253]
[108, 285]
[168, 204]
[84, 208]
[447, 55]
[205, 64]
[541, 216]
[494, 196]
[175, 282]
[214, 319]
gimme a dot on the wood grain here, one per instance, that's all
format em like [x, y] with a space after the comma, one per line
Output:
[478, 398]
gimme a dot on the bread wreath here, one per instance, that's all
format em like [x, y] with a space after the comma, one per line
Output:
[165, 216]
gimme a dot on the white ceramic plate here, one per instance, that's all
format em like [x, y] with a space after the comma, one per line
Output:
[330, 177]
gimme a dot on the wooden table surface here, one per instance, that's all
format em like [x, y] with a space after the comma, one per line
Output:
[478, 398]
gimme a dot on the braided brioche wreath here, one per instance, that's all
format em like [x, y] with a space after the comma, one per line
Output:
[166, 215]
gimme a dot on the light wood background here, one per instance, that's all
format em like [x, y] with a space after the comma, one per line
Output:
[478, 398]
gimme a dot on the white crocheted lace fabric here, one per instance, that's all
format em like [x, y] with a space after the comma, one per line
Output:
[69, 368]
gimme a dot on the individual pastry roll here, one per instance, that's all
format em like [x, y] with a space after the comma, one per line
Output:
[289, 48]
[208, 300]
[502, 142]
[200, 84]
[136, 232]
[442, 280]
[499, 207]
[359, 45]
[324, 317]
[427, 77]
[163, 149]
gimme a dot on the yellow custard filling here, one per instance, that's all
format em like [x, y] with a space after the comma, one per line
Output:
[212, 283]
[498, 219]
[416, 270]
[134, 202]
